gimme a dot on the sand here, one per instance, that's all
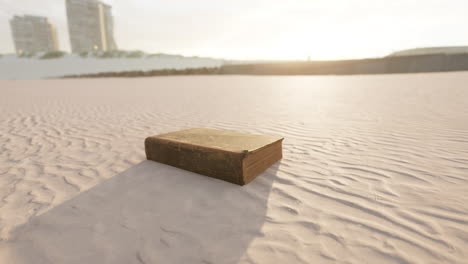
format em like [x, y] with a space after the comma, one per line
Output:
[375, 170]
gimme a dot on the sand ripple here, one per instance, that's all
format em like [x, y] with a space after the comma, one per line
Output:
[375, 169]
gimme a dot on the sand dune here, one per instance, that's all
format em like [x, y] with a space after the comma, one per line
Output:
[375, 170]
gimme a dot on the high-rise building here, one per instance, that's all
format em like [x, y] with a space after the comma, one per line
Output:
[33, 34]
[91, 26]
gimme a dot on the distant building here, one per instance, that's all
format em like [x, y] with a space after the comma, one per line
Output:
[33, 34]
[91, 26]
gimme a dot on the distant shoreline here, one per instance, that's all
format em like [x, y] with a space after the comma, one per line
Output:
[385, 65]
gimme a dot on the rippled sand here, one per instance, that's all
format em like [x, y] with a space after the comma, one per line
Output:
[375, 170]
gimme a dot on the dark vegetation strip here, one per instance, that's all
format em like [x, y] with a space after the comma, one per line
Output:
[386, 65]
[165, 72]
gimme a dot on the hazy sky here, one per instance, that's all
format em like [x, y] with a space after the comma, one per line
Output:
[266, 29]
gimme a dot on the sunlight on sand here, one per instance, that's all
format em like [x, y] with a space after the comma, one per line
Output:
[374, 171]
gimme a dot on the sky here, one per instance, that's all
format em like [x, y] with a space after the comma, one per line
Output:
[266, 29]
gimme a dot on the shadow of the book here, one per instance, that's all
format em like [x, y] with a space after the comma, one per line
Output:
[151, 213]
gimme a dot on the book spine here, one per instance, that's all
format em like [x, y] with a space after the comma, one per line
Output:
[223, 165]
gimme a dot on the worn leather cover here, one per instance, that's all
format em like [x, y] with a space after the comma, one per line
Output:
[216, 153]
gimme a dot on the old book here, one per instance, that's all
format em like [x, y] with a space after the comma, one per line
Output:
[226, 155]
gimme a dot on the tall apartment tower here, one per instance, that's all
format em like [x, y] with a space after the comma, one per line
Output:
[91, 26]
[33, 34]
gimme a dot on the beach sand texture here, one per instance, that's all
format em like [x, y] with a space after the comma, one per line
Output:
[374, 170]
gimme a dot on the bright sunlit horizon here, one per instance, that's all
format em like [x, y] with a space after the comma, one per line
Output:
[266, 30]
